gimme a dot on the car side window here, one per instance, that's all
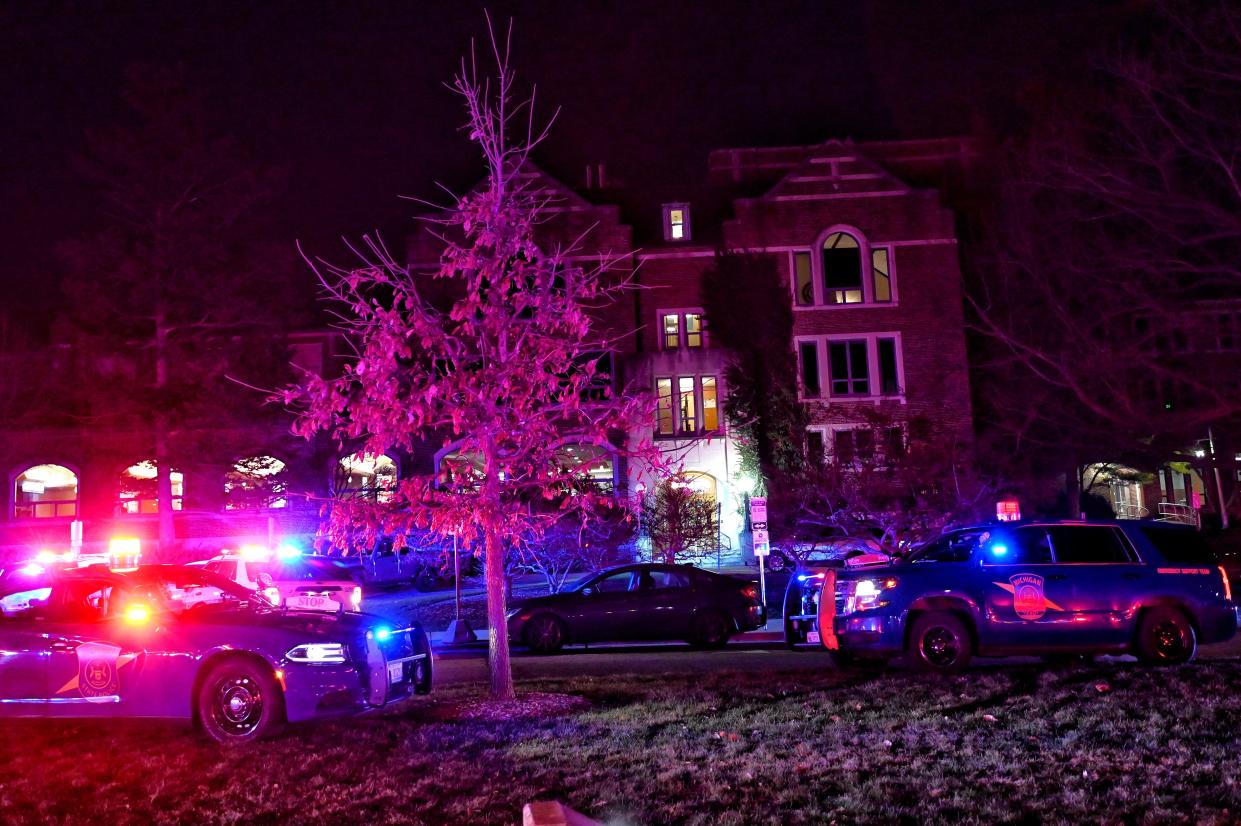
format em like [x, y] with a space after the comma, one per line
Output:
[1024, 546]
[84, 601]
[665, 580]
[226, 568]
[27, 604]
[614, 583]
[1088, 544]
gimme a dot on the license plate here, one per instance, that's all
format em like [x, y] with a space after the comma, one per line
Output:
[309, 603]
[812, 636]
[396, 672]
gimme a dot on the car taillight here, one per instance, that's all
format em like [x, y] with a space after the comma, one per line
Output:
[1227, 584]
[750, 591]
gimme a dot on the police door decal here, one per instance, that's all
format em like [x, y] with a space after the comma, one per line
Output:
[1029, 600]
[98, 678]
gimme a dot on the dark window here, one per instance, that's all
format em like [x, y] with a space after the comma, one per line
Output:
[803, 281]
[893, 442]
[842, 269]
[850, 373]
[814, 447]
[663, 580]
[889, 378]
[843, 445]
[615, 583]
[810, 368]
[1088, 543]
[1024, 546]
[1180, 546]
[864, 443]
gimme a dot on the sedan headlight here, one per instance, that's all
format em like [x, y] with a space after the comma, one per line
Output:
[318, 652]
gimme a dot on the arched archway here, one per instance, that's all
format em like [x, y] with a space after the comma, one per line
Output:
[365, 475]
[138, 488]
[45, 492]
[256, 483]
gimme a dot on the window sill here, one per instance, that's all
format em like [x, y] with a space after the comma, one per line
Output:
[860, 305]
[901, 398]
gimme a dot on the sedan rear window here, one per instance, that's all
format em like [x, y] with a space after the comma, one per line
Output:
[1181, 546]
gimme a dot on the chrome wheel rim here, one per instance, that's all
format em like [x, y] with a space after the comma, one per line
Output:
[940, 646]
[546, 634]
[1169, 641]
[238, 705]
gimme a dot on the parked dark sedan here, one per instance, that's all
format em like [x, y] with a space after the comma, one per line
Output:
[640, 602]
[179, 641]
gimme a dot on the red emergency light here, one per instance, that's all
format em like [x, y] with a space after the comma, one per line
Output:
[1008, 510]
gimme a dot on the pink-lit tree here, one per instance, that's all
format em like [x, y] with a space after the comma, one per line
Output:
[494, 352]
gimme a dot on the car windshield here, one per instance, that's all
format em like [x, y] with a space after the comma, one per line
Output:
[957, 546]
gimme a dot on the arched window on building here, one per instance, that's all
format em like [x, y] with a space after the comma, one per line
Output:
[842, 269]
[256, 483]
[595, 464]
[701, 483]
[45, 492]
[139, 488]
[363, 475]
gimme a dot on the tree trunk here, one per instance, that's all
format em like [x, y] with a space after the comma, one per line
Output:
[497, 625]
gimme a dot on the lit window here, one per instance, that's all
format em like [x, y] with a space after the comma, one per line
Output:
[710, 410]
[810, 368]
[255, 483]
[676, 222]
[672, 331]
[45, 492]
[842, 269]
[139, 488]
[663, 389]
[693, 330]
[879, 267]
[686, 406]
[803, 279]
[850, 373]
[366, 476]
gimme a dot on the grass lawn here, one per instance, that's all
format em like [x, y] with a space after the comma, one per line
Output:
[1021, 744]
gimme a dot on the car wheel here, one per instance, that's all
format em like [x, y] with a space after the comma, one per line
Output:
[940, 642]
[775, 563]
[427, 579]
[545, 634]
[424, 668]
[1166, 637]
[711, 629]
[239, 701]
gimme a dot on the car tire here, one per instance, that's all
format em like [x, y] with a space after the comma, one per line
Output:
[940, 642]
[239, 701]
[711, 629]
[426, 580]
[1166, 637]
[424, 669]
[776, 563]
[545, 634]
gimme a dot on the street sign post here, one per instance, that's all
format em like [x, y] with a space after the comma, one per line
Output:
[762, 541]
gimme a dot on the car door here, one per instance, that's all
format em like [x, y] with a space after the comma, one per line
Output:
[666, 603]
[1025, 597]
[93, 657]
[25, 645]
[609, 608]
[1104, 579]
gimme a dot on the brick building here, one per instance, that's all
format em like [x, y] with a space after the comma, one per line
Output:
[860, 233]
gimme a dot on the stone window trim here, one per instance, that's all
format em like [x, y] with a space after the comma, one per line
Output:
[866, 248]
[872, 339]
[684, 336]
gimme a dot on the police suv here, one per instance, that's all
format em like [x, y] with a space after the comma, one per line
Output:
[1047, 588]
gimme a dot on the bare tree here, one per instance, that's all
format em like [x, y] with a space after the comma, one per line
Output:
[572, 546]
[1108, 303]
[502, 368]
[681, 523]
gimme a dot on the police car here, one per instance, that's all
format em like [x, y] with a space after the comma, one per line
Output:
[181, 642]
[1048, 588]
[286, 574]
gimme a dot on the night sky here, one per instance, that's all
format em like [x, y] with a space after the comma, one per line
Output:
[351, 96]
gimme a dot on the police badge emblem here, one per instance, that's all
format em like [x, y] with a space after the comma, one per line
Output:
[97, 671]
[1028, 599]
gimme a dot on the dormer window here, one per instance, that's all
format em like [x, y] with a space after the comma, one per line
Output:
[676, 222]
